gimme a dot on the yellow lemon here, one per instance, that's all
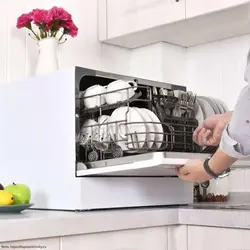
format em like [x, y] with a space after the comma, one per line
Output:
[6, 198]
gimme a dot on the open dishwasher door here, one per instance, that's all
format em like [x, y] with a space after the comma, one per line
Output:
[160, 164]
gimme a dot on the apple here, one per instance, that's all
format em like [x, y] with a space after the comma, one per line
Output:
[21, 193]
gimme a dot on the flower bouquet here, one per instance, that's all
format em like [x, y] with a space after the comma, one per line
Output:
[50, 28]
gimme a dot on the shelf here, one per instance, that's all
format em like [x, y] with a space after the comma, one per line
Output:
[223, 24]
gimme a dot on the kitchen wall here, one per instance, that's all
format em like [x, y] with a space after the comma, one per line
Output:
[217, 69]
[161, 62]
[18, 51]
[212, 69]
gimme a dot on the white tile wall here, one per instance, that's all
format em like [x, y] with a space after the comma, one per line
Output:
[159, 62]
[147, 62]
[18, 52]
[174, 59]
[237, 181]
[217, 69]
[247, 180]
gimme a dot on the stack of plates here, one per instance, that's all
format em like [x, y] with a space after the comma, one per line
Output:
[131, 128]
[207, 106]
[142, 124]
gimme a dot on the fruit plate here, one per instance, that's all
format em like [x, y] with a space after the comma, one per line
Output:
[14, 209]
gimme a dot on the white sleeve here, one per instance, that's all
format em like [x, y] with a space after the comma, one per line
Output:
[235, 140]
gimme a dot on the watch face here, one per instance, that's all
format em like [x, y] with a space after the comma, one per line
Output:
[205, 184]
[224, 174]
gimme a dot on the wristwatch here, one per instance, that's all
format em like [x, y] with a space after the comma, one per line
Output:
[207, 168]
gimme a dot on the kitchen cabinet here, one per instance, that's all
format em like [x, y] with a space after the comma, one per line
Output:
[200, 7]
[132, 24]
[47, 243]
[207, 238]
[137, 239]
[130, 16]
[178, 237]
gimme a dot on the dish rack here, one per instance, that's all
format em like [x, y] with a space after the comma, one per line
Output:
[173, 108]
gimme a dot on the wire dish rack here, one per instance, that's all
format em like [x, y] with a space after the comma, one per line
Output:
[118, 138]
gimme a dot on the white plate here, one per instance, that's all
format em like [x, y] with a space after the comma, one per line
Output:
[129, 115]
[212, 103]
[103, 118]
[104, 135]
[150, 136]
[89, 130]
[220, 107]
[197, 113]
[223, 105]
[157, 126]
[206, 108]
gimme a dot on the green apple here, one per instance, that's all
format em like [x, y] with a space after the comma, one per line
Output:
[21, 193]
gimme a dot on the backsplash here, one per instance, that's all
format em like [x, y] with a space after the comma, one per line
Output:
[161, 62]
[239, 180]
[214, 68]
[207, 69]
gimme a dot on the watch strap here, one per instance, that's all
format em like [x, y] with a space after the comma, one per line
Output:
[208, 169]
[211, 173]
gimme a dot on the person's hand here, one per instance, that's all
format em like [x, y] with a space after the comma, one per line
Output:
[193, 171]
[210, 131]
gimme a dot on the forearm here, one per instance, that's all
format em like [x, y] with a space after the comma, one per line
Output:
[220, 161]
[227, 116]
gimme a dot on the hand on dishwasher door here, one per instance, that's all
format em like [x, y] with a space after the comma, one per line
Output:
[193, 171]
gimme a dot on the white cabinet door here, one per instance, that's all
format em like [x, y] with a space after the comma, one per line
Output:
[48, 244]
[138, 239]
[124, 17]
[207, 238]
[200, 7]
[178, 237]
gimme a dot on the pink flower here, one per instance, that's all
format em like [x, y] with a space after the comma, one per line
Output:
[41, 16]
[49, 23]
[70, 28]
[60, 14]
[24, 21]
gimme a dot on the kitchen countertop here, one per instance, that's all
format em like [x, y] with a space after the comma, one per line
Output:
[32, 224]
[41, 224]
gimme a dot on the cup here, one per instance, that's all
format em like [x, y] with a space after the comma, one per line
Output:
[94, 96]
[120, 91]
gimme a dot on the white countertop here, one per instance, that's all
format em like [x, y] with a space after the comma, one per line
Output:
[41, 224]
